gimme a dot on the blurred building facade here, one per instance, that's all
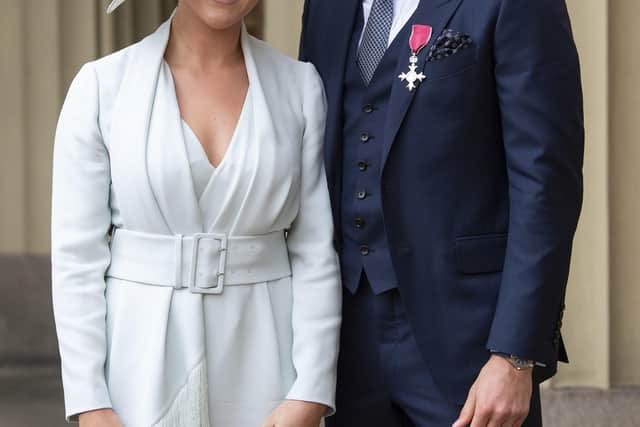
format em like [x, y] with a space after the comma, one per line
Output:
[43, 43]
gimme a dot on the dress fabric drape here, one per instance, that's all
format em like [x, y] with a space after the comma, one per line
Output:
[254, 315]
[201, 168]
[123, 157]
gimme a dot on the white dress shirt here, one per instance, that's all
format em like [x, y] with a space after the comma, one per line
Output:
[402, 11]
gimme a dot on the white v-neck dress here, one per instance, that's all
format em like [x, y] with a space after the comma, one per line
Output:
[239, 393]
[123, 158]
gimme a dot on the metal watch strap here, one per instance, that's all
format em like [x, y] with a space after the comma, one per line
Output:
[517, 362]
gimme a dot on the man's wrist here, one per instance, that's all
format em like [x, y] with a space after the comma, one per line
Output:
[518, 363]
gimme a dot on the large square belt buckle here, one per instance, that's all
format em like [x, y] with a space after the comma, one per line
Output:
[222, 263]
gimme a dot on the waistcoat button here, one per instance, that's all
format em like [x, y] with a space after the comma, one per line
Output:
[364, 250]
[362, 194]
[359, 222]
[367, 108]
[362, 165]
[364, 137]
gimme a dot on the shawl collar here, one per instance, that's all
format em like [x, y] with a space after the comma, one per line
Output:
[129, 135]
[150, 167]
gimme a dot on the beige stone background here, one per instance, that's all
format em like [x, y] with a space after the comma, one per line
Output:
[43, 43]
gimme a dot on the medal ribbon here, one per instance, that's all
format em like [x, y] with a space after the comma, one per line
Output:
[420, 36]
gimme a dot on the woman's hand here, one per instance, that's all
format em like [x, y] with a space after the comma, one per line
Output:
[99, 418]
[296, 413]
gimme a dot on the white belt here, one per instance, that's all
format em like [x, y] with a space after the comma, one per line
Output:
[205, 263]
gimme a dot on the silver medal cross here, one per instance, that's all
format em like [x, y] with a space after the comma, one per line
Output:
[412, 76]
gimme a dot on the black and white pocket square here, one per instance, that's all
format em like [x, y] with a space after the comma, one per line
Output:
[448, 43]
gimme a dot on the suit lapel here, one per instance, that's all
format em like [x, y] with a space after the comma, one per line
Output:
[340, 23]
[436, 13]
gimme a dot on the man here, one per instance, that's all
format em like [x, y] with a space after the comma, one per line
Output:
[454, 153]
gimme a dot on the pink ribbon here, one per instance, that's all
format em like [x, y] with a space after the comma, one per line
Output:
[420, 36]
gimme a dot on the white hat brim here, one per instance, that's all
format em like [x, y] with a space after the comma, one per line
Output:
[114, 5]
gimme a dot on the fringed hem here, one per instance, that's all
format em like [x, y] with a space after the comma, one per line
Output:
[190, 407]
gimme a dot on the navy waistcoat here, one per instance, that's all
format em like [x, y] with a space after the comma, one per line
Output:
[365, 247]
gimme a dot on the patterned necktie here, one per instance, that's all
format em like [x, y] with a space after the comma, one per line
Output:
[375, 38]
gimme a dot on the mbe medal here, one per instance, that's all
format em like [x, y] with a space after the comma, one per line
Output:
[420, 36]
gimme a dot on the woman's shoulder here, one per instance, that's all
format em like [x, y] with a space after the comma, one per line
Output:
[265, 52]
[281, 66]
[95, 87]
[105, 72]
[103, 76]
[112, 65]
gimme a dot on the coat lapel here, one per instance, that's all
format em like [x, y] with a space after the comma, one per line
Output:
[149, 167]
[436, 13]
[342, 21]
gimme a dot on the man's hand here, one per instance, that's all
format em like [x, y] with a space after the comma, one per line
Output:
[296, 413]
[500, 397]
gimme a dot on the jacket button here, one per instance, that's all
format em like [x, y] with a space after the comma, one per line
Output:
[362, 166]
[367, 108]
[362, 194]
[359, 223]
[364, 136]
[364, 250]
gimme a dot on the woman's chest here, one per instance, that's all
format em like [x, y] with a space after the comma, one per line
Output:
[257, 182]
[212, 106]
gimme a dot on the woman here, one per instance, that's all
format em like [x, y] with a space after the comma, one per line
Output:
[195, 282]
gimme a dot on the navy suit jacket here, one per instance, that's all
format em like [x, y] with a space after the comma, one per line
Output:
[481, 179]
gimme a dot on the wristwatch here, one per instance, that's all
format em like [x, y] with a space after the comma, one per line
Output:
[518, 363]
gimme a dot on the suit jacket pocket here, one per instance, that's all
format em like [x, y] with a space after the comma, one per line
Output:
[480, 254]
[450, 65]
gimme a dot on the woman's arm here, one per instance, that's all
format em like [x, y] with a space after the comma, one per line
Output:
[317, 292]
[79, 245]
